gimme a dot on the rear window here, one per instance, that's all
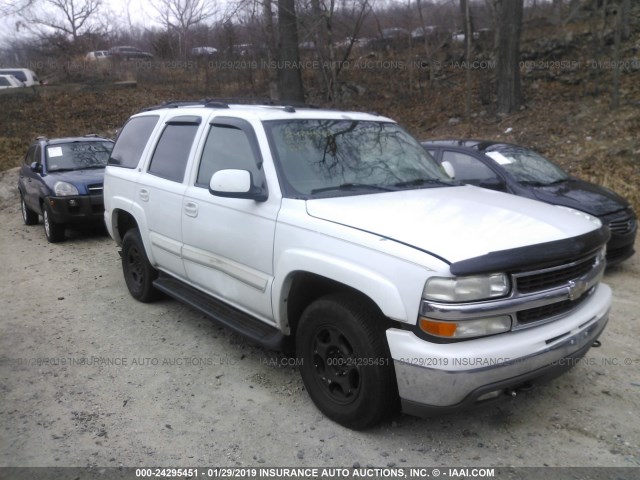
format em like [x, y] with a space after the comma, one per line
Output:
[132, 140]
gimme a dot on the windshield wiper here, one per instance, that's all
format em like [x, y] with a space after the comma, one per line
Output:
[351, 186]
[423, 181]
[555, 182]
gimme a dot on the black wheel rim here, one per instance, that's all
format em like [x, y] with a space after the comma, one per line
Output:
[135, 266]
[336, 365]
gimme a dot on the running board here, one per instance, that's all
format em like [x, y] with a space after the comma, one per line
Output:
[232, 318]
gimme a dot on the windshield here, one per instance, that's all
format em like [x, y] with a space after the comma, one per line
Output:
[78, 156]
[348, 157]
[526, 166]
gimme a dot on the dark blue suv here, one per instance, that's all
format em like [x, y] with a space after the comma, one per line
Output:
[61, 179]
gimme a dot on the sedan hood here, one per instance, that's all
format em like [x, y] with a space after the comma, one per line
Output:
[454, 223]
[581, 195]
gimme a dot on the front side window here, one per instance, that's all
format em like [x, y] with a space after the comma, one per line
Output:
[226, 147]
[132, 140]
[468, 169]
[30, 156]
[172, 151]
[77, 156]
[527, 166]
[348, 157]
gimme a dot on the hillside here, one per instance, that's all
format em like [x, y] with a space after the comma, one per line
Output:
[566, 116]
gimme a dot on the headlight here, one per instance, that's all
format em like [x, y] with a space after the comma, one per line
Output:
[466, 289]
[64, 189]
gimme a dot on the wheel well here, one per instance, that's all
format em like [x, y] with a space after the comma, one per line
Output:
[124, 222]
[306, 288]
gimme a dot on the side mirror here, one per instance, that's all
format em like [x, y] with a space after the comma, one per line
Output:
[448, 168]
[36, 167]
[233, 183]
[492, 184]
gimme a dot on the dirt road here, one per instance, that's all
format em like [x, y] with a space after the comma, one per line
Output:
[90, 377]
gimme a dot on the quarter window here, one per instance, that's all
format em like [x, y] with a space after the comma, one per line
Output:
[132, 140]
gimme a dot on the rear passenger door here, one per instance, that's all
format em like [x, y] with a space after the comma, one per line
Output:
[161, 188]
[228, 242]
[28, 179]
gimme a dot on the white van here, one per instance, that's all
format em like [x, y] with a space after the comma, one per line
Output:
[26, 76]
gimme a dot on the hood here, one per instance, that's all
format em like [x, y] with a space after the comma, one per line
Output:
[79, 178]
[454, 223]
[581, 195]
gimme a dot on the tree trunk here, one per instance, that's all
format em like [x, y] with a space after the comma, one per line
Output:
[615, 80]
[468, 36]
[289, 76]
[508, 55]
[267, 13]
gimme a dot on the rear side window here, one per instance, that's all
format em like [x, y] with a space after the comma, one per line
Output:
[132, 140]
[172, 152]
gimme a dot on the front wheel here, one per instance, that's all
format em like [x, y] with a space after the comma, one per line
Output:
[54, 231]
[139, 274]
[345, 361]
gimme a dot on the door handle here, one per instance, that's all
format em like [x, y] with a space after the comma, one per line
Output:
[191, 209]
[144, 194]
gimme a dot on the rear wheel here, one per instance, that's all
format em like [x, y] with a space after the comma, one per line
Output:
[139, 274]
[345, 362]
[28, 216]
[54, 231]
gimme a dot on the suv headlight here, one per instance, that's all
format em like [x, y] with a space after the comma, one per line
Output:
[466, 289]
[64, 189]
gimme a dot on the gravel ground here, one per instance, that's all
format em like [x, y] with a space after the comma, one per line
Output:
[90, 377]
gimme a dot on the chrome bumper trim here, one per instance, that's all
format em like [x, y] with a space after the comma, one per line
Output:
[437, 387]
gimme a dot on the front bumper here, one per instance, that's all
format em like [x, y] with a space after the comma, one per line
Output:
[77, 209]
[440, 377]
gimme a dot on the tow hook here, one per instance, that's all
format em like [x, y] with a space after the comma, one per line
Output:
[596, 344]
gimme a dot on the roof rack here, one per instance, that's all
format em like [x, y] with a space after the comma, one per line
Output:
[91, 135]
[41, 137]
[225, 102]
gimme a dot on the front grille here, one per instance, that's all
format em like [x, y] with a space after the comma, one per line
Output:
[623, 225]
[95, 188]
[554, 277]
[548, 312]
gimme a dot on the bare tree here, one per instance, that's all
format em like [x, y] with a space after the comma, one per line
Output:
[72, 18]
[180, 16]
[508, 54]
[322, 23]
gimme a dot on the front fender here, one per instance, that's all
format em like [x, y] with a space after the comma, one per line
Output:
[365, 280]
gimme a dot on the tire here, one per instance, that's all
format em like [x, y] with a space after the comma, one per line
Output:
[138, 272]
[28, 216]
[53, 231]
[345, 362]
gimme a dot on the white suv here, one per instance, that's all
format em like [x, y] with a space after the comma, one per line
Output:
[335, 236]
